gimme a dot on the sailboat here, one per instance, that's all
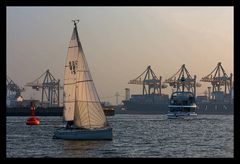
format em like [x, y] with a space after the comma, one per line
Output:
[82, 107]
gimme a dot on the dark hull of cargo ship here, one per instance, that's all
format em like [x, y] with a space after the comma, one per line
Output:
[25, 111]
[203, 108]
[50, 111]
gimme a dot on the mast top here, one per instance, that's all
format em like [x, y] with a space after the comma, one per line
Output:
[75, 22]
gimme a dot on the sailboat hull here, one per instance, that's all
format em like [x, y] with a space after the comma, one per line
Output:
[83, 134]
[174, 115]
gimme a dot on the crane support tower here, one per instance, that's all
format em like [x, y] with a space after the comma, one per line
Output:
[218, 79]
[50, 89]
[151, 84]
[182, 80]
[13, 90]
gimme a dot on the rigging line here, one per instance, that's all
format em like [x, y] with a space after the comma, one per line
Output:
[90, 76]
[75, 77]
[78, 39]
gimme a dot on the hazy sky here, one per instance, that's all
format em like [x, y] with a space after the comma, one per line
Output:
[119, 43]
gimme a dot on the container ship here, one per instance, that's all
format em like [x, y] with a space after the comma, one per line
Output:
[218, 99]
[48, 111]
[49, 105]
[136, 105]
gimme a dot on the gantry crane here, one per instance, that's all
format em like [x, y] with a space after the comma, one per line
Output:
[218, 79]
[182, 79]
[13, 90]
[151, 84]
[50, 89]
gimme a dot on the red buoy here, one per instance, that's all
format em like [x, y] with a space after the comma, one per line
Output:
[33, 120]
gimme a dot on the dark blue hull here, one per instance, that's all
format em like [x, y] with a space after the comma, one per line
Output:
[50, 111]
[84, 134]
[202, 108]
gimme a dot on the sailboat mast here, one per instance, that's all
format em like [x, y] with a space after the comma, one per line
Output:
[80, 48]
[78, 40]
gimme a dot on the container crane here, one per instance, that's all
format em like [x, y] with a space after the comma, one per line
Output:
[13, 90]
[183, 80]
[218, 79]
[50, 89]
[149, 81]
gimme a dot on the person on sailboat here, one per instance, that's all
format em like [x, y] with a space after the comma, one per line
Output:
[69, 124]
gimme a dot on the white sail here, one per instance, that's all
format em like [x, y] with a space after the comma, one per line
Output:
[82, 103]
[70, 75]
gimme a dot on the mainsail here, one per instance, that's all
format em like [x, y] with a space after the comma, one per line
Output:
[81, 101]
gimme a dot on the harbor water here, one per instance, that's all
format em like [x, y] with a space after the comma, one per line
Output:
[134, 136]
